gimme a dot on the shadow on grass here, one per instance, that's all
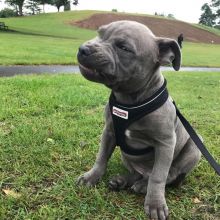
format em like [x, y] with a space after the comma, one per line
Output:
[26, 32]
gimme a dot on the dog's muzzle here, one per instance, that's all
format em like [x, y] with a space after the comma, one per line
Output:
[84, 51]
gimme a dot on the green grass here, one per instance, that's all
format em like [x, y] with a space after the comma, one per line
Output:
[50, 128]
[52, 24]
[206, 55]
[50, 39]
[27, 49]
[43, 39]
[211, 29]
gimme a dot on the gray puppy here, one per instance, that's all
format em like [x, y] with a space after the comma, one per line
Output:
[126, 57]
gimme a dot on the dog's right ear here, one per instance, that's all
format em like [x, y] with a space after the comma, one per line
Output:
[169, 52]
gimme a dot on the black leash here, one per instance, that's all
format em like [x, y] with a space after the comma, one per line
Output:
[198, 142]
[124, 115]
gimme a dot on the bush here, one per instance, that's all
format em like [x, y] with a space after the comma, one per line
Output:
[114, 10]
[7, 12]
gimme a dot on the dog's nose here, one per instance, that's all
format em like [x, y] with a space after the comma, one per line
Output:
[84, 50]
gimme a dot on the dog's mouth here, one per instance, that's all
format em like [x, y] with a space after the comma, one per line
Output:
[87, 70]
[90, 73]
[96, 75]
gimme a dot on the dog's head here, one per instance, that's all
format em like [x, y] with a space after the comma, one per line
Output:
[125, 55]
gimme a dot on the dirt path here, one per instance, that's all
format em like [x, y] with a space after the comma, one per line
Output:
[160, 26]
[6, 71]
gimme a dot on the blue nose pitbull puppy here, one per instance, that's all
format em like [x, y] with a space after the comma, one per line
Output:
[140, 116]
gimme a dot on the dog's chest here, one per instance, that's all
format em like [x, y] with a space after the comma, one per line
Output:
[139, 136]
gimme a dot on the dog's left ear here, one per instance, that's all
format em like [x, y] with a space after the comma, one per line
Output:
[169, 52]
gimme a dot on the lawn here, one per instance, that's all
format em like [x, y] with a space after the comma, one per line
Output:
[50, 39]
[52, 24]
[207, 55]
[43, 39]
[50, 128]
[27, 49]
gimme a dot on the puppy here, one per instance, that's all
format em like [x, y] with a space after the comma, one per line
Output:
[155, 147]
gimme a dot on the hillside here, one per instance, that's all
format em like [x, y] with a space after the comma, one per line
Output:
[54, 38]
[160, 26]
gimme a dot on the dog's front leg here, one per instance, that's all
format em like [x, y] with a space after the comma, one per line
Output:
[106, 149]
[155, 203]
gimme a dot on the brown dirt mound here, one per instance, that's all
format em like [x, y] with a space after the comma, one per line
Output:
[160, 27]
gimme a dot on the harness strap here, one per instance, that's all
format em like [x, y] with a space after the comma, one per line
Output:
[124, 115]
[198, 142]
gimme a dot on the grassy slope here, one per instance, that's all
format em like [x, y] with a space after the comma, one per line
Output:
[43, 39]
[54, 24]
[211, 29]
[49, 39]
[50, 128]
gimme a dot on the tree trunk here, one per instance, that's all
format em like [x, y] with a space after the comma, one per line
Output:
[16, 10]
[20, 8]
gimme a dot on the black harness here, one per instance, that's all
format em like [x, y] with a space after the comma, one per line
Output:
[124, 115]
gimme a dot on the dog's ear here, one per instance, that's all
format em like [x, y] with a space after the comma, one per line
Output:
[102, 29]
[169, 52]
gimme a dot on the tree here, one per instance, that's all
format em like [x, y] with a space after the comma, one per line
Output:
[67, 6]
[17, 4]
[171, 16]
[59, 3]
[207, 17]
[216, 6]
[75, 2]
[216, 3]
[7, 12]
[33, 6]
[43, 3]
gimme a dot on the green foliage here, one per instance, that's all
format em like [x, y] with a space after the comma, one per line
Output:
[171, 16]
[67, 6]
[50, 128]
[7, 12]
[43, 2]
[59, 3]
[207, 17]
[216, 3]
[33, 6]
[75, 2]
[16, 4]
[216, 7]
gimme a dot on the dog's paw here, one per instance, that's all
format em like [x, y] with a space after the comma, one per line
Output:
[156, 210]
[89, 178]
[140, 186]
[118, 183]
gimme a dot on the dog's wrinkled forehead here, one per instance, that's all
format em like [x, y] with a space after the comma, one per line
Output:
[133, 32]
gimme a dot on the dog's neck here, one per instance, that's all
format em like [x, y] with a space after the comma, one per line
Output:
[144, 92]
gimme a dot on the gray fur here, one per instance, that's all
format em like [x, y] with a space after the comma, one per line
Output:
[126, 57]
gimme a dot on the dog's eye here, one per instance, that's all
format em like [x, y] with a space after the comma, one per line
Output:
[123, 47]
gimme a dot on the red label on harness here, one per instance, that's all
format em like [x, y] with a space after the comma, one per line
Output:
[120, 113]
